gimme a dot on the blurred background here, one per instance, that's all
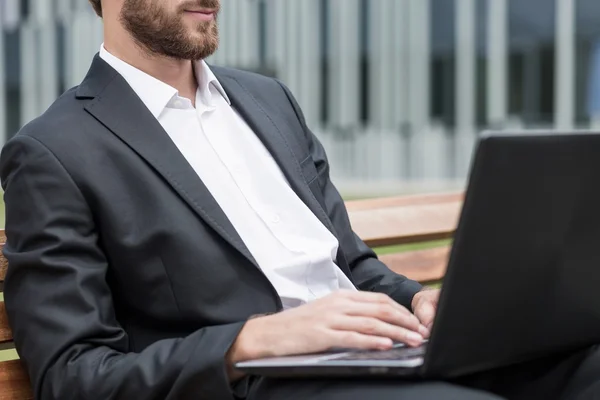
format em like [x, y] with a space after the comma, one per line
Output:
[397, 90]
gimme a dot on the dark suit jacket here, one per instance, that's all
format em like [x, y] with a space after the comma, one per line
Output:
[126, 280]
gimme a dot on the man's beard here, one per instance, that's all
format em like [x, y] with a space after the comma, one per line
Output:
[159, 33]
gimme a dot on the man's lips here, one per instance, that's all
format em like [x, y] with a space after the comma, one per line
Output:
[203, 15]
[202, 11]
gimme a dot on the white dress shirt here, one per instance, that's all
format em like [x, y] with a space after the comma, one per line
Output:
[293, 248]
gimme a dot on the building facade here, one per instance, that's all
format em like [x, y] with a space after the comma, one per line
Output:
[397, 90]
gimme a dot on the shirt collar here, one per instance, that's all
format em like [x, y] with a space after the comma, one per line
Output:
[206, 78]
[155, 94]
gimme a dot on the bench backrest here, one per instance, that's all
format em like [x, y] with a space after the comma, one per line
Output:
[379, 222]
[412, 220]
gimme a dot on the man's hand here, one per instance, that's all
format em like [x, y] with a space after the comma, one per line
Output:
[424, 305]
[345, 319]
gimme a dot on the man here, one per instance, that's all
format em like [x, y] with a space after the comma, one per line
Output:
[166, 219]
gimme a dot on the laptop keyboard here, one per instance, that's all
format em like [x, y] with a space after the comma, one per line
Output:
[401, 353]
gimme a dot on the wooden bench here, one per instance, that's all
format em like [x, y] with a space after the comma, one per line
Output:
[379, 222]
[409, 220]
[14, 382]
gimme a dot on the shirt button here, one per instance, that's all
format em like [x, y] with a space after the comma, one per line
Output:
[275, 218]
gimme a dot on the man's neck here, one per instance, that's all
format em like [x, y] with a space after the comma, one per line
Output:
[176, 73]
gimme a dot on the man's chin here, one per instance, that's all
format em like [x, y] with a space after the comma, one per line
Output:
[208, 47]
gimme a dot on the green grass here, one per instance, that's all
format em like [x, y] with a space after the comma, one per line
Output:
[6, 355]
[411, 247]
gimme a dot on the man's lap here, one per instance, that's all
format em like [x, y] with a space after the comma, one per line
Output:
[556, 377]
[272, 389]
[573, 377]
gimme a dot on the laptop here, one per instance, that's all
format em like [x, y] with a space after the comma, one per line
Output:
[524, 271]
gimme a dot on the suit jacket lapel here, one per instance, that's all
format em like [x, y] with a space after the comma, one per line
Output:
[118, 108]
[271, 134]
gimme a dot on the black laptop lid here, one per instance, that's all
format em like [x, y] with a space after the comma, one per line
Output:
[524, 274]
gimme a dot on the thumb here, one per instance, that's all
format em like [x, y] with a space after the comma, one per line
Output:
[425, 312]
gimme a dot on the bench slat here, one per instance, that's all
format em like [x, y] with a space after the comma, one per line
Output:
[14, 381]
[403, 201]
[425, 266]
[5, 332]
[3, 261]
[401, 222]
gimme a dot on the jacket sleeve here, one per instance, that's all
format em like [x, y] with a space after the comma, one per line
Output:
[60, 306]
[368, 272]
